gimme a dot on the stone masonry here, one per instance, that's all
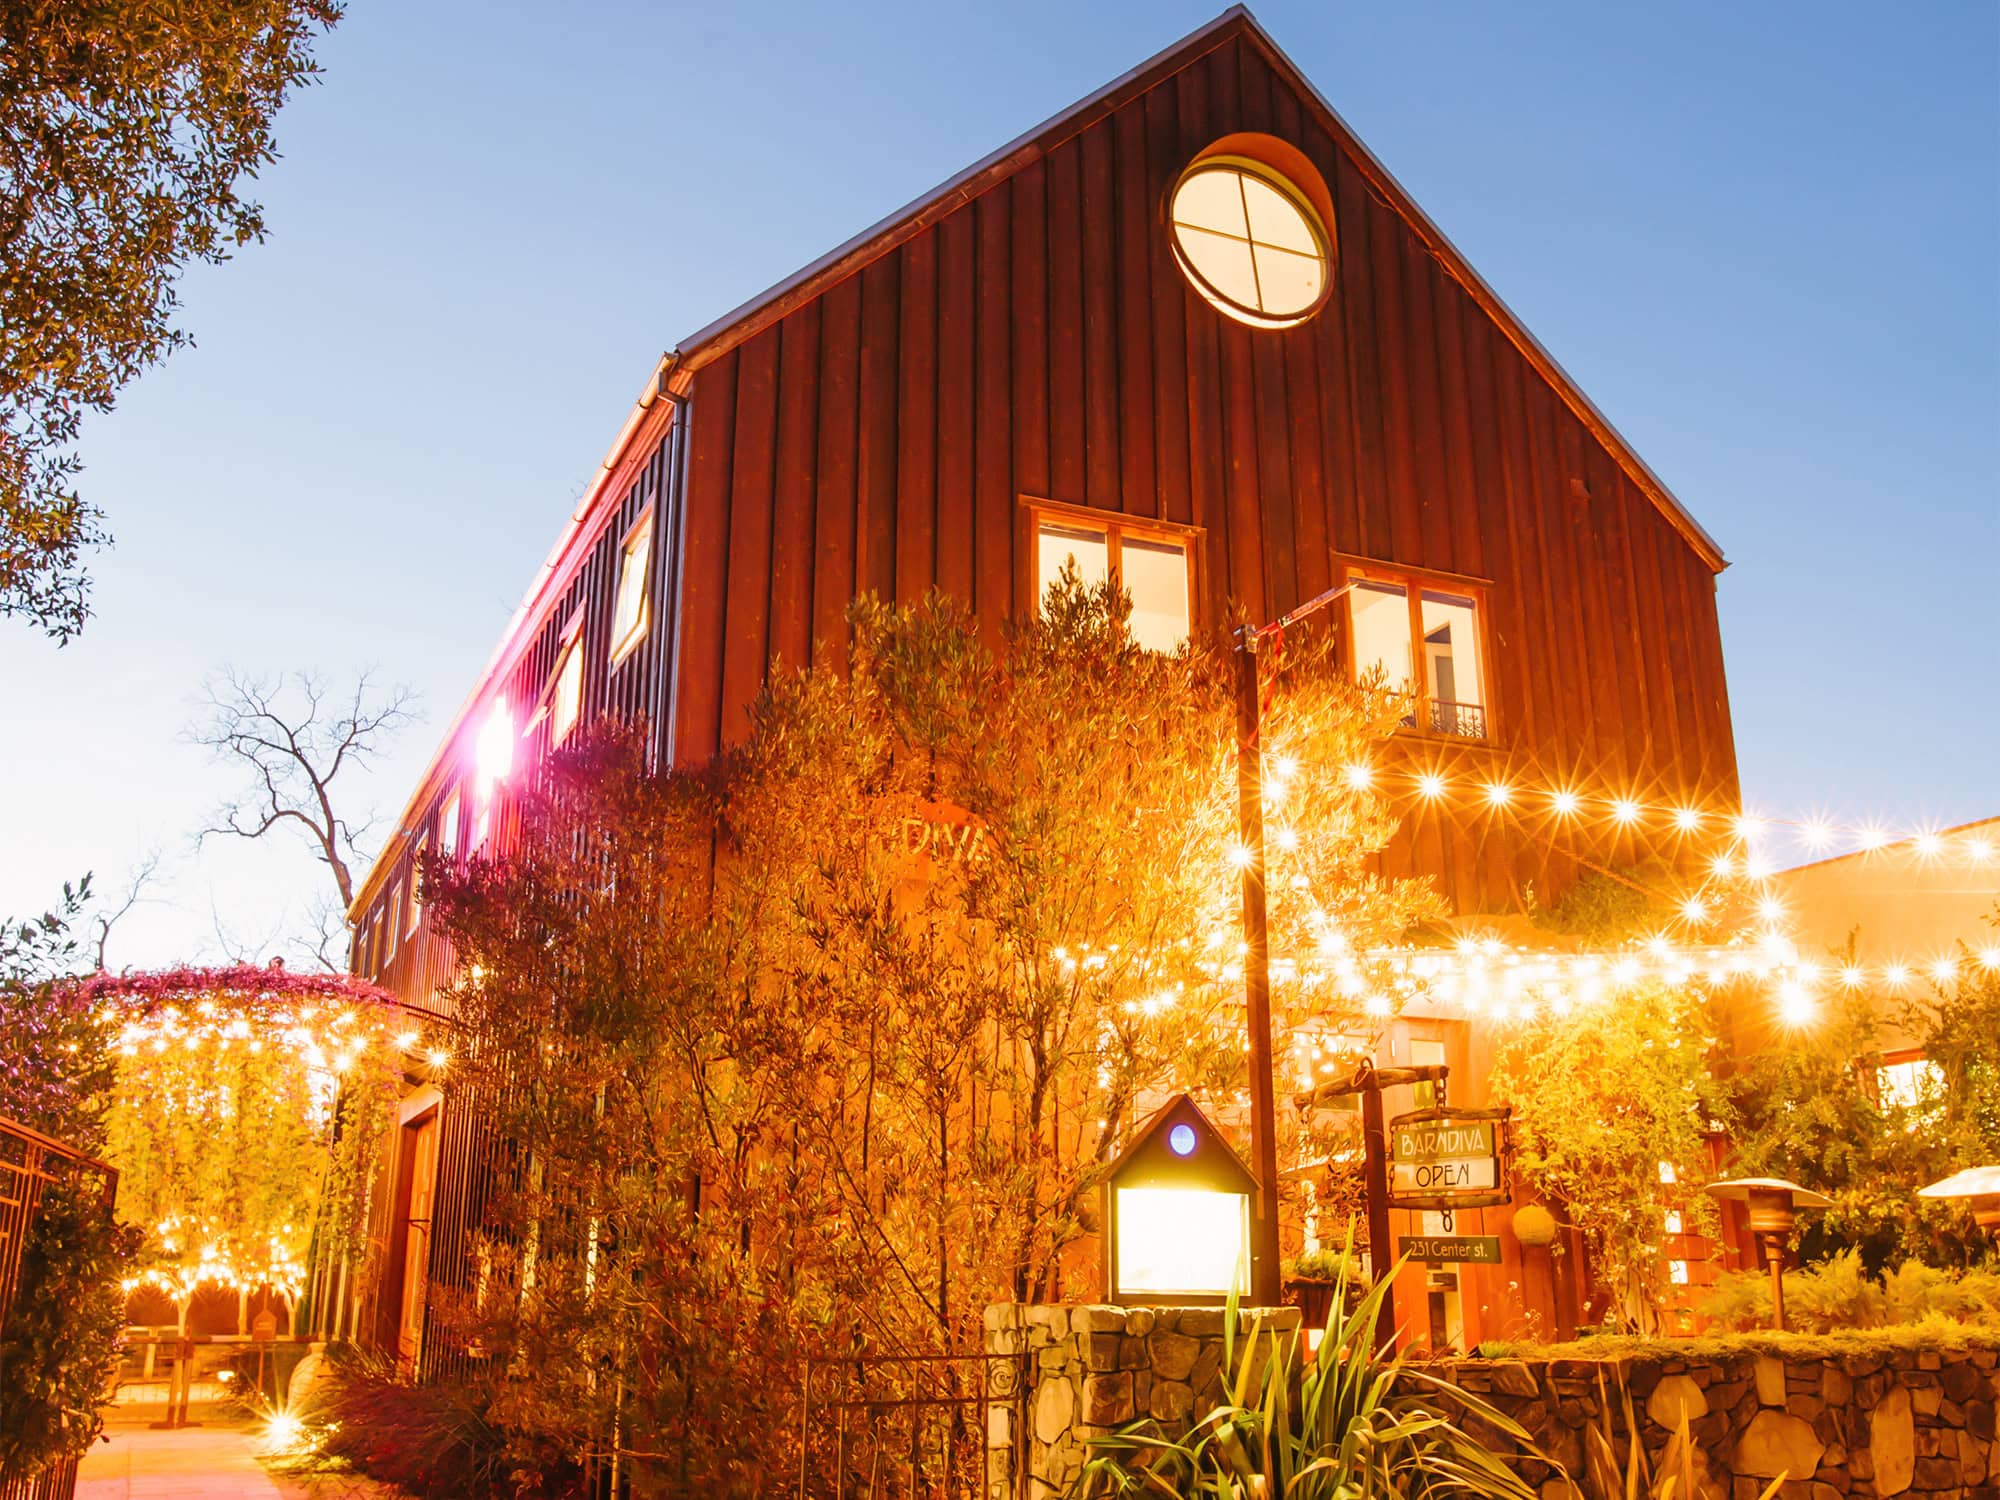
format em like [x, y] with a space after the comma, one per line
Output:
[1851, 1427]
[1081, 1372]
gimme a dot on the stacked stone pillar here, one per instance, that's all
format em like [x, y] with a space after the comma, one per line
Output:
[1064, 1374]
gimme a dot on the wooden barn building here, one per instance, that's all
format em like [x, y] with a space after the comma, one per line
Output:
[1189, 330]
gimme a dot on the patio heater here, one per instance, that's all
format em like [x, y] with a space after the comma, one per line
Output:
[1773, 1204]
[1979, 1188]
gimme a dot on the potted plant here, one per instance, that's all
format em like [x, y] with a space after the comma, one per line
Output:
[1313, 1279]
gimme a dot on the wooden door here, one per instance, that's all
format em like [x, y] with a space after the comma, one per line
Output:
[420, 1137]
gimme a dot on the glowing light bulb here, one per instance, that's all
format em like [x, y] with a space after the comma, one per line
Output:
[1239, 856]
[1359, 776]
[1686, 819]
[1796, 1006]
[1944, 970]
[1749, 829]
[1284, 767]
[1896, 975]
[1978, 851]
[1989, 958]
[1625, 810]
[1564, 803]
[1694, 909]
[1498, 794]
[1929, 846]
[1722, 864]
[438, 1057]
[1871, 838]
[1817, 836]
[1430, 785]
[1771, 909]
[1287, 840]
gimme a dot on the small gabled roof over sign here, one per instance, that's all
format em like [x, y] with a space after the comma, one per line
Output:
[1179, 1146]
[734, 327]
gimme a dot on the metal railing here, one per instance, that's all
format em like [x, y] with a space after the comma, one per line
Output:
[1464, 721]
[911, 1426]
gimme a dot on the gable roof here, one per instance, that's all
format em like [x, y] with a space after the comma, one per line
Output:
[768, 306]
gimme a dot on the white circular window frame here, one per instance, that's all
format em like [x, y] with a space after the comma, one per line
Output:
[1296, 199]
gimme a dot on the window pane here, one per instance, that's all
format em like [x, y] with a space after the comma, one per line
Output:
[628, 619]
[1212, 200]
[1287, 283]
[1225, 263]
[1451, 649]
[448, 827]
[1090, 550]
[1275, 219]
[569, 696]
[1381, 614]
[1156, 576]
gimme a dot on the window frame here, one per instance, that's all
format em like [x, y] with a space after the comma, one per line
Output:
[1115, 526]
[449, 810]
[415, 882]
[1413, 582]
[642, 624]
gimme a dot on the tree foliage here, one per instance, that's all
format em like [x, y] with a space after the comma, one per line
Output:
[825, 1046]
[127, 128]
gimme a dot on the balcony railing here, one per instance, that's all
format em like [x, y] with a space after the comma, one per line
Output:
[1464, 721]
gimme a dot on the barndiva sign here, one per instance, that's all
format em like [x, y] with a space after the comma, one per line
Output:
[1448, 1158]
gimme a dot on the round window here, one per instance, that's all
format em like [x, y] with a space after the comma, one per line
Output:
[1249, 242]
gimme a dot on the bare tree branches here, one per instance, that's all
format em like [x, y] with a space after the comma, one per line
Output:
[143, 875]
[293, 737]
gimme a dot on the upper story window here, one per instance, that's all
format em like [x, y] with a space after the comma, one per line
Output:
[1247, 234]
[448, 825]
[1153, 566]
[392, 926]
[1914, 1084]
[628, 614]
[1425, 642]
[566, 703]
[416, 910]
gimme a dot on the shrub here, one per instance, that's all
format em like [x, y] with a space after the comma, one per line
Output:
[424, 1439]
[1839, 1294]
[62, 1335]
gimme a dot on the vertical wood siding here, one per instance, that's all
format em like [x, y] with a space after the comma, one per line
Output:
[1039, 341]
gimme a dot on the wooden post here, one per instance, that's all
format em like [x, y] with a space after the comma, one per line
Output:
[1375, 1171]
[1774, 1247]
[1265, 1288]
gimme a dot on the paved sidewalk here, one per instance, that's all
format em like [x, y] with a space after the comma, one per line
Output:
[211, 1462]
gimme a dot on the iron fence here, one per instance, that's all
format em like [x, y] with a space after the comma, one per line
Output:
[1465, 721]
[911, 1426]
[29, 1161]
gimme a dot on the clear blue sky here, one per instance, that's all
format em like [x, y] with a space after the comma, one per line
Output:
[1763, 237]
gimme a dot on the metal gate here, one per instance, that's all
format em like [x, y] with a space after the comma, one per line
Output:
[29, 1161]
[911, 1426]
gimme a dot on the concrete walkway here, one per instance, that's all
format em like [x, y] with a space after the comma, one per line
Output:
[210, 1462]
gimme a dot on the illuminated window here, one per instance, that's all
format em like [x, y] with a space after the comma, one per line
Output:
[1249, 242]
[1672, 1221]
[1915, 1085]
[1677, 1272]
[628, 614]
[1423, 641]
[392, 926]
[567, 705]
[1667, 1173]
[1152, 567]
[482, 821]
[448, 825]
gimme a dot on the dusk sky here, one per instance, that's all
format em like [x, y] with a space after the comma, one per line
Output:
[1764, 238]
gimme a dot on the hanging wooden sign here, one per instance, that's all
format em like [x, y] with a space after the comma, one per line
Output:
[1448, 1158]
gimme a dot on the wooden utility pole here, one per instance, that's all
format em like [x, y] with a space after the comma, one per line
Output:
[1265, 1284]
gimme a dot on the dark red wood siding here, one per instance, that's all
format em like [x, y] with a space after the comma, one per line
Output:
[1039, 341]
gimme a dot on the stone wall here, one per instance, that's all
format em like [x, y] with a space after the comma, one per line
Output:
[1841, 1428]
[1081, 1372]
